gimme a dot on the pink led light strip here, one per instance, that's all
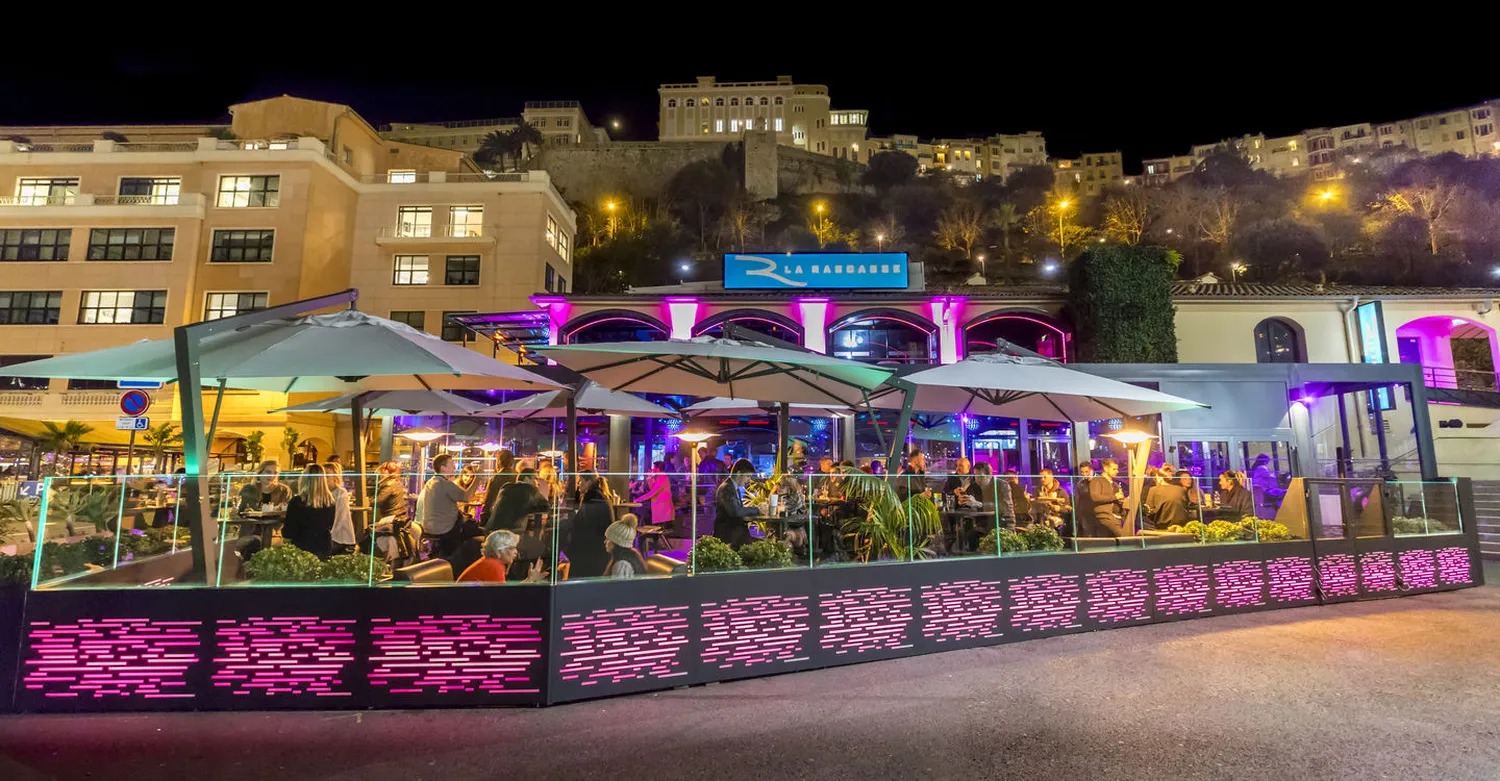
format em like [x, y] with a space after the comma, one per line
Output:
[624, 644]
[1454, 566]
[962, 610]
[1377, 571]
[1042, 602]
[860, 620]
[1182, 589]
[754, 631]
[111, 657]
[440, 654]
[1336, 572]
[283, 655]
[1240, 583]
[1118, 596]
[1418, 569]
[1290, 579]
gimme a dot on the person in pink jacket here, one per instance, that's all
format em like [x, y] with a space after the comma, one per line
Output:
[658, 495]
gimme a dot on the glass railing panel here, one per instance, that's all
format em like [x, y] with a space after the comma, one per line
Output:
[103, 531]
[1421, 508]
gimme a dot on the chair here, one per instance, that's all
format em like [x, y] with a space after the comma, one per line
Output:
[657, 564]
[562, 570]
[429, 571]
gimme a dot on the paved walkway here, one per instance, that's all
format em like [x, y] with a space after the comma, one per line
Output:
[1401, 689]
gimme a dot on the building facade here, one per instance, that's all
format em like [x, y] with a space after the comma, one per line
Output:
[1090, 174]
[799, 114]
[103, 243]
[561, 123]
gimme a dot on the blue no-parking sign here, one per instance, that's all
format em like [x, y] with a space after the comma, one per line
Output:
[135, 403]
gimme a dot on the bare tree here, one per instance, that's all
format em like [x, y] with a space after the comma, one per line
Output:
[960, 227]
[745, 221]
[1127, 212]
[1216, 212]
[1430, 200]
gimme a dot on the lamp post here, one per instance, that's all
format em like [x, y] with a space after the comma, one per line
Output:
[424, 436]
[610, 206]
[1235, 270]
[693, 438]
[1062, 213]
[880, 241]
[1139, 454]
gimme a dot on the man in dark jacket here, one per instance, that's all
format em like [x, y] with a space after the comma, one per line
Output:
[730, 511]
[1099, 509]
[504, 475]
[1167, 503]
[1235, 501]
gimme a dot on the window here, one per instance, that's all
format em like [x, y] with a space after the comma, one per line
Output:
[220, 305]
[238, 192]
[123, 306]
[691, 102]
[349, 155]
[1485, 129]
[734, 101]
[551, 278]
[671, 102]
[1442, 120]
[22, 383]
[777, 122]
[562, 245]
[150, 190]
[1385, 130]
[763, 101]
[703, 126]
[30, 307]
[550, 237]
[562, 285]
[797, 109]
[1480, 113]
[465, 221]
[1459, 134]
[734, 126]
[718, 101]
[405, 176]
[779, 100]
[1424, 124]
[1277, 341]
[54, 191]
[35, 243]
[131, 243]
[414, 222]
[415, 318]
[461, 270]
[453, 332]
[718, 126]
[242, 246]
[410, 270]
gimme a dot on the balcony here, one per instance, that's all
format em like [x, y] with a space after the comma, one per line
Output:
[88, 205]
[407, 177]
[86, 405]
[1461, 386]
[440, 234]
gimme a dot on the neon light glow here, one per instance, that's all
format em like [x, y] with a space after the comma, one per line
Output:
[100, 658]
[557, 314]
[812, 313]
[273, 656]
[962, 610]
[1377, 571]
[457, 653]
[860, 620]
[1291, 579]
[624, 644]
[947, 313]
[682, 315]
[1061, 338]
[1239, 584]
[1418, 569]
[1182, 590]
[1118, 596]
[1455, 567]
[1044, 602]
[744, 633]
[1337, 576]
[568, 337]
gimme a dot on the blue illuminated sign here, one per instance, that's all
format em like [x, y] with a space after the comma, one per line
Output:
[814, 270]
[1372, 347]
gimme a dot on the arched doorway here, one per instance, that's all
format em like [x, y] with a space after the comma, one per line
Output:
[1279, 340]
[1032, 330]
[613, 325]
[1454, 352]
[758, 320]
[890, 336]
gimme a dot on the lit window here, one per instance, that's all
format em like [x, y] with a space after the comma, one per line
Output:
[550, 237]
[461, 270]
[749, 124]
[777, 122]
[150, 191]
[401, 177]
[414, 222]
[131, 243]
[465, 221]
[562, 245]
[30, 307]
[237, 192]
[242, 246]
[734, 126]
[221, 305]
[22, 244]
[718, 126]
[146, 307]
[55, 191]
[410, 270]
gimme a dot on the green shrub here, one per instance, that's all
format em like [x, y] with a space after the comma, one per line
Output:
[1041, 536]
[1269, 531]
[766, 554]
[1195, 528]
[63, 558]
[1010, 542]
[98, 551]
[711, 554]
[15, 570]
[1418, 525]
[283, 563]
[1120, 299]
[1227, 531]
[352, 568]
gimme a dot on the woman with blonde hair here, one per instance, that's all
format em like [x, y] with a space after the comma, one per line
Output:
[310, 514]
[343, 521]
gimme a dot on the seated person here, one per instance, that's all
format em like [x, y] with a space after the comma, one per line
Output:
[584, 532]
[310, 514]
[504, 475]
[730, 512]
[1020, 502]
[619, 542]
[515, 503]
[958, 483]
[266, 490]
[1233, 500]
[1167, 503]
[1049, 503]
[499, 554]
[442, 519]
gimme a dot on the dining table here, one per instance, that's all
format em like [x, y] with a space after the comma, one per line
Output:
[264, 523]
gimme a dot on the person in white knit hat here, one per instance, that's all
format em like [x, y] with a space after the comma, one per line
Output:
[619, 541]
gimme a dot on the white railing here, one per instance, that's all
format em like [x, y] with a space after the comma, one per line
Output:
[89, 199]
[465, 231]
[156, 146]
[72, 199]
[22, 398]
[90, 398]
[406, 232]
[445, 177]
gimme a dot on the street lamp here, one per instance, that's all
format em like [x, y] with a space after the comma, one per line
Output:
[880, 241]
[1235, 270]
[423, 436]
[694, 438]
[1138, 448]
[1327, 195]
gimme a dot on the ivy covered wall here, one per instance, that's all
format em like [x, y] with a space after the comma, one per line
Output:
[1120, 300]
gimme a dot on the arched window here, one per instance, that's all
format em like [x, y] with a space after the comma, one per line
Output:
[1278, 341]
[672, 103]
[760, 321]
[734, 101]
[691, 102]
[613, 325]
[884, 336]
[1029, 330]
[778, 100]
[765, 102]
[718, 101]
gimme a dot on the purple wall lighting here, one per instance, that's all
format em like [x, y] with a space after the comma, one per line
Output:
[753, 631]
[1182, 589]
[283, 655]
[1418, 569]
[624, 644]
[1240, 584]
[859, 620]
[1042, 602]
[1455, 568]
[962, 610]
[441, 654]
[1290, 579]
[1377, 571]
[1119, 596]
[112, 657]
[1336, 572]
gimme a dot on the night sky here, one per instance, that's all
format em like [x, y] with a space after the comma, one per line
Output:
[1097, 88]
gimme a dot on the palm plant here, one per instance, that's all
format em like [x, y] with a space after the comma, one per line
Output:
[158, 438]
[18, 512]
[255, 447]
[67, 438]
[523, 138]
[77, 506]
[904, 529]
[289, 439]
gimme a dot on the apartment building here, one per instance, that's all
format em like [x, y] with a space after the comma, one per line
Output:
[105, 242]
[799, 115]
[561, 123]
[1003, 154]
[1090, 174]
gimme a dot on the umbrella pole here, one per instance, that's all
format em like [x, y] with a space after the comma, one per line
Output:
[903, 429]
[194, 498]
[570, 462]
[783, 436]
[357, 419]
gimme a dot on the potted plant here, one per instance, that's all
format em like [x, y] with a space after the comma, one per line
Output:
[766, 554]
[711, 554]
[1010, 541]
[890, 526]
[17, 515]
[283, 563]
[255, 448]
[289, 439]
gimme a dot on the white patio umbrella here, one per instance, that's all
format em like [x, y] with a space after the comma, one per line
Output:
[391, 403]
[728, 406]
[590, 398]
[1033, 388]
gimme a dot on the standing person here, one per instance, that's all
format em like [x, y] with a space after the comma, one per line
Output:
[658, 496]
[442, 518]
[309, 514]
[730, 511]
[343, 520]
[505, 462]
[1049, 502]
[1104, 498]
[393, 515]
[823, 478]
[619, 541]
[585, 531]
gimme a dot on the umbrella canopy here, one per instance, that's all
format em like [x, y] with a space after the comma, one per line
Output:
[1034, 388]
[706, 366]
[728, 406]
[390, 403]
[591, 400]
[347, 351]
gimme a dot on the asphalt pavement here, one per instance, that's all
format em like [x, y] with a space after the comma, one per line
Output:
[1400, 689]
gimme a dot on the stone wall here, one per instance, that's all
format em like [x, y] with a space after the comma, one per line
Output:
[799, 172]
